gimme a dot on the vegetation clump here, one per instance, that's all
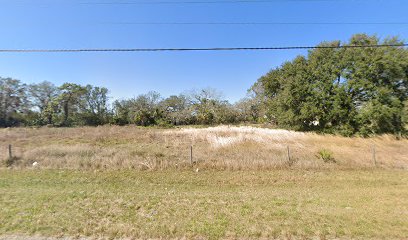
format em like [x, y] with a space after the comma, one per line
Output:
[326, 156]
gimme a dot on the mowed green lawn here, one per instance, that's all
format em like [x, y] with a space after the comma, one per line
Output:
[213, 204]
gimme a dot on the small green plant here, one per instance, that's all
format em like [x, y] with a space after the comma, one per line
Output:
[326, 156]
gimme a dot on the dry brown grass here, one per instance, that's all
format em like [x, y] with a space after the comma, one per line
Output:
[114, 147]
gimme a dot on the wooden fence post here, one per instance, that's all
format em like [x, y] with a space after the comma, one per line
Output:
[373, 155]
[10, 152]
[289, 161]
[191, 154]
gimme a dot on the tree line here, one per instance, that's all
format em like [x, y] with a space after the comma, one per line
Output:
[336, 90]
[74, 105]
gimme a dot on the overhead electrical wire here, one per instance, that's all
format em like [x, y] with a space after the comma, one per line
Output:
[212, 23]
[191, 49]
[197, 2]
[255, 23]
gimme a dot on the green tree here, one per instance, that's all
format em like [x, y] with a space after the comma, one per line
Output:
[405, 115]
[42, 95]
[94, 107]
[13, 102]
[121, 112]
[204, 104]
[70, 100]
[253, 107]
[177, 110]
[377, 84]
[143, 110]
[346, 90]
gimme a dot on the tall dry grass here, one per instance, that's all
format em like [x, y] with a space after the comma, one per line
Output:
[223, 147]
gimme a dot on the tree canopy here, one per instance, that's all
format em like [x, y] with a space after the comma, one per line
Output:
[346, 90]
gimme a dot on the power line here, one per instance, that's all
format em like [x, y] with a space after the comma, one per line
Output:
[191, 49]
[171, 2]
[200, 2]
[188, 2]
[256, 23]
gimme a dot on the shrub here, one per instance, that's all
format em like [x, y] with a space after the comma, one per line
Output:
[326, 156]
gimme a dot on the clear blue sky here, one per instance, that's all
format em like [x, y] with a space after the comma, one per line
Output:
[70, 24]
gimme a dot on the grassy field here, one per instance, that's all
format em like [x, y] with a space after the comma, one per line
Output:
[208, 204]
[128, 182]
[219, 148]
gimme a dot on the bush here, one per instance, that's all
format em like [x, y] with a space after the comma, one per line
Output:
[326, 156]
